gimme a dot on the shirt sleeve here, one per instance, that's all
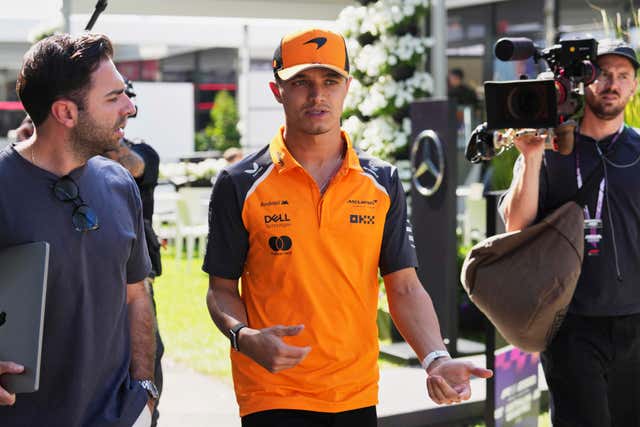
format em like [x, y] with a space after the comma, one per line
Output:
[398, 249]
[151, 163]
[228, 238]
[517, 166]
[139, 264]
[542, 188]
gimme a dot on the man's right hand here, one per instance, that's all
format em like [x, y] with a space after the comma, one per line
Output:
[266, 347]
[529, 143]
[7, 398]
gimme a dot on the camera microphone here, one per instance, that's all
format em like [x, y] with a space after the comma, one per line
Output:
[514, 48]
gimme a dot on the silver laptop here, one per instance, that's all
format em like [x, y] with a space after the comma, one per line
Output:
[23, 288]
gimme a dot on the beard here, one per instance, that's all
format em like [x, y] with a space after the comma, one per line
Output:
[604, 110]
[90, 138]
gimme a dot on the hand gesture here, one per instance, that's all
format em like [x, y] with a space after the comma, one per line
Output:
[266, 347]
[7, 398]
[448, 381]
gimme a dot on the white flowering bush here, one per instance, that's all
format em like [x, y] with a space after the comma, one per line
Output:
[387, 54]
[184, 172]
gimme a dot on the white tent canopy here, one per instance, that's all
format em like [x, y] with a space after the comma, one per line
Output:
[275, 9]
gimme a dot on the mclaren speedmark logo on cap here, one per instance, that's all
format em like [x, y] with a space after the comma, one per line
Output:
[319, 41]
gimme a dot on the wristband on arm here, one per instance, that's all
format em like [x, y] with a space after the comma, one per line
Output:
[431, 357]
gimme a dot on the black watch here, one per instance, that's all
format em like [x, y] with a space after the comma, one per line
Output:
[150, 387]
[233, 335]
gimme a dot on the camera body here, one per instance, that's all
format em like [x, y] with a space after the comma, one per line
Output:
[553, 101]
[552, 98]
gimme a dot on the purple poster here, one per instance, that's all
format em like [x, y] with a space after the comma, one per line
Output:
[517, 393]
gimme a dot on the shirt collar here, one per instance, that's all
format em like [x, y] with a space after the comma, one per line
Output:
[604, 140]
[282, 158]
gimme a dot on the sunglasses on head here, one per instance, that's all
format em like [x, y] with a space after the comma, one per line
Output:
[83, 217]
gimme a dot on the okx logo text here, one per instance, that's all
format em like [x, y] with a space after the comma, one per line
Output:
[362, 219]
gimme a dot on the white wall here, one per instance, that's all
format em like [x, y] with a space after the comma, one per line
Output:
[265, 114]
[165, 118]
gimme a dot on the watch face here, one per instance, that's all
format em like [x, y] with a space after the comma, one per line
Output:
[234, 339]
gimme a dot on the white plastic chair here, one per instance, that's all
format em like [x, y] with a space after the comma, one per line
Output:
[165, 213]
[475, 214]
[189, 229]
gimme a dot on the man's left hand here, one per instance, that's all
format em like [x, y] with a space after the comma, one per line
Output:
[448, 380]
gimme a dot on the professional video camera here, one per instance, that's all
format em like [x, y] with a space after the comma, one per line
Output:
[550, 104]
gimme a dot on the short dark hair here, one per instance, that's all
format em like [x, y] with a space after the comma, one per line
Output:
[457, 72]
[59, 66]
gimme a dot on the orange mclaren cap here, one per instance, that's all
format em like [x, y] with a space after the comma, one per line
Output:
[309, 49]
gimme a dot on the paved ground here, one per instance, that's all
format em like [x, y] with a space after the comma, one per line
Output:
[191, 399]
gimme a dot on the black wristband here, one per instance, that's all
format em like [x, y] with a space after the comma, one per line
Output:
[233, 335]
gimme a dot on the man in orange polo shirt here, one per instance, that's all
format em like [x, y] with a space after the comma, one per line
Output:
[304, 224]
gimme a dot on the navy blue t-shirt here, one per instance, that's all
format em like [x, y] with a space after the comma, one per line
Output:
[599, 292]
[84, 376]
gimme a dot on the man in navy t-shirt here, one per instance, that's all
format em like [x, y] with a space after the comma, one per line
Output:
[592, 366]
[98, 345]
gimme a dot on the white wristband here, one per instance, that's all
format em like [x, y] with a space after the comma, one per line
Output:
[431, 357]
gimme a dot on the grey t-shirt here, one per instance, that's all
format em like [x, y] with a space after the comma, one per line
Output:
[84, 378]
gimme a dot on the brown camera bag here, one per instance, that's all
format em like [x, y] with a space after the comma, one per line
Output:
[523, 281]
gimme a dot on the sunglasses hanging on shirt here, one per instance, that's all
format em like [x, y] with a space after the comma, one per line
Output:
[83, 217]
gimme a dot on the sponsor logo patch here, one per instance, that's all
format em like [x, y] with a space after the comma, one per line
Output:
[268, 219]
[362, 219]
[274, 203]
[253, 171]
[280, 243]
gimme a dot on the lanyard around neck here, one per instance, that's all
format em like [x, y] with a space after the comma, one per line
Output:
[600, 202]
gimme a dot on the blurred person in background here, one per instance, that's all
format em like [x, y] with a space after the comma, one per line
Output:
[143, 162]
[232, 155]
[459, 91]
[23, 131]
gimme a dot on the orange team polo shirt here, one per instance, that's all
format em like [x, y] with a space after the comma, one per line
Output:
[312, 259]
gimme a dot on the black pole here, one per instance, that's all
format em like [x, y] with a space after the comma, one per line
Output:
[491, 198]
[101, 5]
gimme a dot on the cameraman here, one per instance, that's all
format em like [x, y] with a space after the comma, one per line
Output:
[592, 367]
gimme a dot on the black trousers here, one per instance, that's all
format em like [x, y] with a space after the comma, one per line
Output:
[592, 368]
[364, 417]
